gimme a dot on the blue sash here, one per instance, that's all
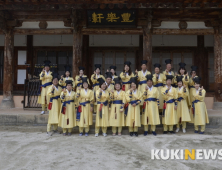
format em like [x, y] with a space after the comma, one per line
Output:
[118, 102]
[158, 85]
[44, 86]
[142, 82]
[104, 103]
[170, 101]
[193, 105]
[150, 99]
[84, 103]
[66, 102]
[191, 87]
[97, 84]
[179, 99]
[52, 98]
[79, 84]
[128, 82]
[133, 102]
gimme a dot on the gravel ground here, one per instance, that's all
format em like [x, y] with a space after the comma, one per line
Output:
[30, 148]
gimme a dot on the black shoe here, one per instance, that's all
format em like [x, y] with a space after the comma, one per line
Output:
[172, 132]
[196, 131]
[154, 133]
[145, 133]
[136, 134]
[131, 133]
[165, 132]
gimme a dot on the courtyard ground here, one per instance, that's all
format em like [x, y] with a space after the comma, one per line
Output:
[28, 147]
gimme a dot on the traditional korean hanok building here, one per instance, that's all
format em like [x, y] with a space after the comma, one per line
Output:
[85, 32]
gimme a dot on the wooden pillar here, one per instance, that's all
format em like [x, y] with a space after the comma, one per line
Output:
[30, 52]
[85, 54]
[139, 54]
[7, 101]
[218, 63]
[147, 40]
[147, 47]
[77, 52]
[201, 60]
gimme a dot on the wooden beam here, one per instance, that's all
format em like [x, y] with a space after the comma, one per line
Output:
[183, 31]
[43, 31]
[147, 47]
[123, 31]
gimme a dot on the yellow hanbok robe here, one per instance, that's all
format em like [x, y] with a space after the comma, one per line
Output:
[185, 82]
[170, 115]
[68, 120]
[85, 100]
[62, 82]
[142, 80]
[46, 83]
[200, 116]
[183, 114]
[150, 114]
[126, 80]
[54, 113]
[191, 88]
[113, 77]
[133, 114]
[78, 81]
[158, 83]
[102, 118]
[169, 73]
[95, 82]
[117, 118]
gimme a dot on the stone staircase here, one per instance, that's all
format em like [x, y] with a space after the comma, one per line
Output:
[217, 106]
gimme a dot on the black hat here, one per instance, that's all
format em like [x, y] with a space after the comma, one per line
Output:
[67, 68]
[68, 82]
[117, 80]
[109, 75]
[81, 68]
[55, 75]
[112, 67]
[197, 80]
[157, 65]
[143, 62]
[194, 68]
[182, 65]
[84, 80]
[179, 78]
[168, 61]
[127, 63]
[169, 77]
[97, 66]
[133, 80]
[101, 81]
[149, 77]
[47, 63]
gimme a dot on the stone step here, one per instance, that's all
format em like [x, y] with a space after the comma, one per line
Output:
[217, 106]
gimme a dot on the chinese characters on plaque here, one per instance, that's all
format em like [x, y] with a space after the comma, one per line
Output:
[111, 18]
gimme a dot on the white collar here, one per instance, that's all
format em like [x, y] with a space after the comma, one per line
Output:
[47, 72]
[67, 78]
[118, 92]
[134, 92]
[150, 88]
[107, 84]
[170, 88]
[197, 90]
[143, 72]
[98, 75]
[127, 73]
[86, 90]
[56, 88]
[180, 88]
[69, 92]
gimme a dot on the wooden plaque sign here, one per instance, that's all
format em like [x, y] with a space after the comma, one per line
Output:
[111, 18]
